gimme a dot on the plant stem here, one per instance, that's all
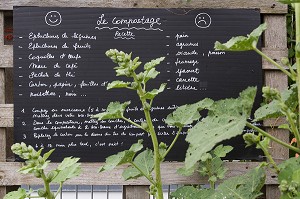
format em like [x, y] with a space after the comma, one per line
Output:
[59, 189]
[208, 166]
[274, 63]
[132, 122]
[157, 158]
[172, 144]
[294, 128]
[264, 133]
[269, 157]
[297, 22]
[46, 186]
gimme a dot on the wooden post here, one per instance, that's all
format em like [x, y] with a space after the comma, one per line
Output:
[2, 101]
[135, 192]
[275, 38]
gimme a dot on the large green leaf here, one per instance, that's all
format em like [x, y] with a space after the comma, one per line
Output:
[114, 110]
[122, 157]
[19, 194]
[226, 119]
[144, 161]
[242, 43]
[187, 114]
[189, 192]
[247, 186]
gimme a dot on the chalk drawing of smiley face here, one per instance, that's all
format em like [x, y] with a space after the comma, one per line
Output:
[203, 20]
[53, 18]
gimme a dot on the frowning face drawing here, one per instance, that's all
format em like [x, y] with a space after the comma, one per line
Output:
[53, 18]
[203, 20]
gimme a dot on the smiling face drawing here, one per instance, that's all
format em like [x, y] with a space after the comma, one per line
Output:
[203, 20]
[53, 18]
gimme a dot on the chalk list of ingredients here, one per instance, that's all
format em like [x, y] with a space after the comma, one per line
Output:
[61, 72]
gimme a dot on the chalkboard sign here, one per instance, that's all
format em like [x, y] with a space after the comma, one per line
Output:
[61, 73]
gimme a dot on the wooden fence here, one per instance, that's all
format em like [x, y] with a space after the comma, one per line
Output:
[274, 44]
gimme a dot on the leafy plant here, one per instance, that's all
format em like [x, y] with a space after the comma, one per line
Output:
[144, 163]
[246, 186]
[277, 104]
[36, 164]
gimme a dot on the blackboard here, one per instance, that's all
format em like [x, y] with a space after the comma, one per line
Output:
[61, 73]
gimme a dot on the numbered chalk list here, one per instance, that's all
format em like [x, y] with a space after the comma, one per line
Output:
[61, 73]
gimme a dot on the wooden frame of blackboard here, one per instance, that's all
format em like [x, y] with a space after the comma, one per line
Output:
[274, 45]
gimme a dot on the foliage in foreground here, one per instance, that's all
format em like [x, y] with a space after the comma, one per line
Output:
[277, 104]
[36, 164]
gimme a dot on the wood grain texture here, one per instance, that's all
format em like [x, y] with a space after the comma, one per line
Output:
[275, 35]
[6, 56]
[90, 175]
[275, 38]
[135, 192]
[266, 6]
[6, 115]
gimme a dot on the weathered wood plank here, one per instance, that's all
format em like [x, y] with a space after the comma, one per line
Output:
[2, 144]
[135, 192]
[6, 56]
[275, 35]
[275, 38]
[1, 28]
[3, 190]
[266, 6]
[90, 175]
[6, 115]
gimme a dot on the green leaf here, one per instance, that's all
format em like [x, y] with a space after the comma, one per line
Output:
[118, 84]
[289, 177]
[287, 169]
[247, 186]
[67, 173]
[226, 119]
[19, 194]
[149, 65]
[144, 161]
[67, 162]
[122, 157]
[273, 109]
[189, 192]
[242, 43]
[47, 155]
[187, 172]
[154, 92]
[221, 151]
[187, 114]
[151, 74]
[114, 110]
